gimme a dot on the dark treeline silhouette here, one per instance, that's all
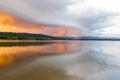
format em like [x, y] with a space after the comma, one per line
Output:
[99, 38]
[27, 36]
[9, 44]
[23, 36]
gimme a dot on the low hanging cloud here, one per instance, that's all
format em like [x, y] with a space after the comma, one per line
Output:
[86, 15]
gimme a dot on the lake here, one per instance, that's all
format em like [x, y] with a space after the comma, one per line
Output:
[59, 60]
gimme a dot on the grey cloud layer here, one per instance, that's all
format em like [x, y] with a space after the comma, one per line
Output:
[40, 11]
[56, 12]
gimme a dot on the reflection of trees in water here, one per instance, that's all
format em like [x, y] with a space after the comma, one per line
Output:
[17, 51]
[60, 67]
[80, 65]
[12, 44]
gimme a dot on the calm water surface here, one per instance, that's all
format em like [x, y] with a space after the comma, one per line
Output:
[59, 60]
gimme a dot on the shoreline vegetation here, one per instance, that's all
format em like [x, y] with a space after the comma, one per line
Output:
[28, 36]
[23, 36]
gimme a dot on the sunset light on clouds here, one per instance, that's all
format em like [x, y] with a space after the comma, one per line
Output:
[74, 17]
[10, 23]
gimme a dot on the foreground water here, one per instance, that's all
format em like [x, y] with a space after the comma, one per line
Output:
[59, 60]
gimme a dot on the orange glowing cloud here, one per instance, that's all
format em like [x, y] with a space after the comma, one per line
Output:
[10, 23]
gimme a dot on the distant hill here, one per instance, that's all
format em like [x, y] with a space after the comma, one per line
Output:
[24, 36]
[98, 38]
[27, 36]
[88, 38]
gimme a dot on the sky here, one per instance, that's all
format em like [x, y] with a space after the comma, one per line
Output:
[93, 17]
[10, 23]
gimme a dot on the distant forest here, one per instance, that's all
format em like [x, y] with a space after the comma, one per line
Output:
[27, 36]
[23, 36]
